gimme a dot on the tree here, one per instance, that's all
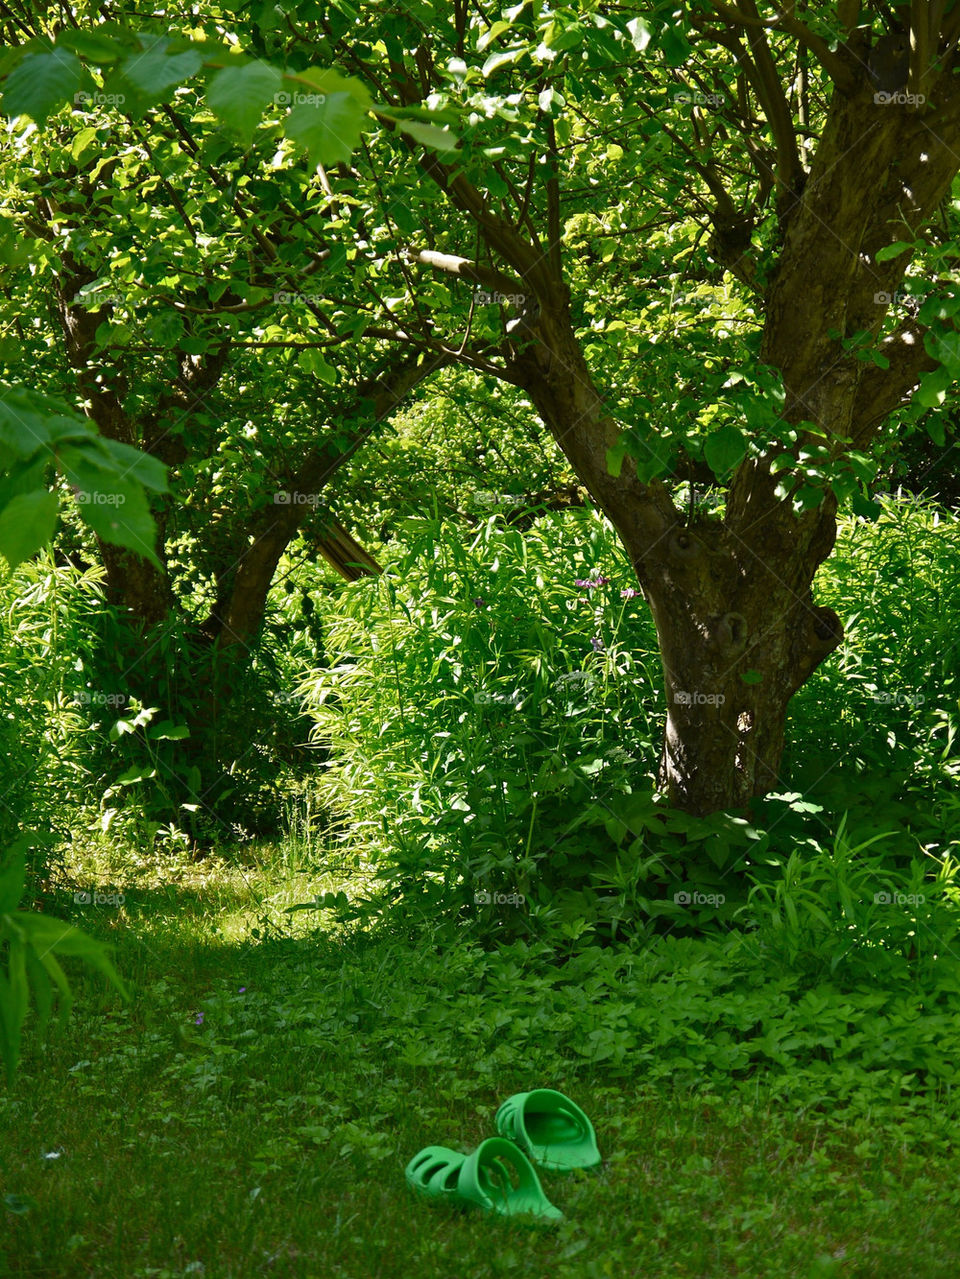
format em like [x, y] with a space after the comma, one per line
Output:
[793, 169]
[819, 164]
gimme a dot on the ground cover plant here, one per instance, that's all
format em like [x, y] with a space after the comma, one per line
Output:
[479, 596]
[771, 1076]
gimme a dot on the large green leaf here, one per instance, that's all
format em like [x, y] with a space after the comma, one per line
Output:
[429, 135]
[42, 83]
[26, 524]
[329, 131]
[155, 71]
[54, 935]
[23, 427]
[724, 450]
[239, 95]
[114, 506]
[142, 467]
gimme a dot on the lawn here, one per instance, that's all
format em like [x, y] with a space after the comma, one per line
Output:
[252, 1109]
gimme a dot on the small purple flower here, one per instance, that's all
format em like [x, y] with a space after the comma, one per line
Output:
[198, 1020]
[591, 583]
[629, 594]
[597, 643]
[479, 601]
[241, 990]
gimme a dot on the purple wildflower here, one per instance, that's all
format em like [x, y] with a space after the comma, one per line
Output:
[597, 643]
[629, 594]
[198, 1020]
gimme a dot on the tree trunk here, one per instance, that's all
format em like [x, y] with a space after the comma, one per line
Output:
[134, 583]
[730, 599]
[739, 634]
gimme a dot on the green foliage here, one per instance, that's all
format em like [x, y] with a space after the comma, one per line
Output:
[477, 698]
[31, 944]
[108, 478]
[779, 1107]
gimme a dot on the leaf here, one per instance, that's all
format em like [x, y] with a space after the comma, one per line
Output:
[167, 731]
[41, 84]
[330, 131]
[311, 361]
[724, 450]
[491, 34]
[58, 977]
[320, 83]
[936, 429]
[46, 934]
[142, 467]
[42, 989]
[135, 773]
[676, 47]
[892, 251]
[96, 46]
[239, 95]
[751, 677]
[502, 58]
[26, 524]
[429, 135]
[639, 33]
[83, 140]
[932, 391]
[615, 456]
[154, 71]
[113, 506]
[866, 507]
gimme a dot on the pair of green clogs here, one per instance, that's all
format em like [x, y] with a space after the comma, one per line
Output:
[543, 1126]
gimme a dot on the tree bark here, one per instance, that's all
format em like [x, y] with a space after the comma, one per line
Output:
[727, 597]
[237, 619]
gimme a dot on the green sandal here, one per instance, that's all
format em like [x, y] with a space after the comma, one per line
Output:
[483, 1179]
[435, 1172]
[554, 1132]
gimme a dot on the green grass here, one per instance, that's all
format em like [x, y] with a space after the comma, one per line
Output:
[271, 1138]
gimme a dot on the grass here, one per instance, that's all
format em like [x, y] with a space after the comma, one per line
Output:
[252, 1110]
